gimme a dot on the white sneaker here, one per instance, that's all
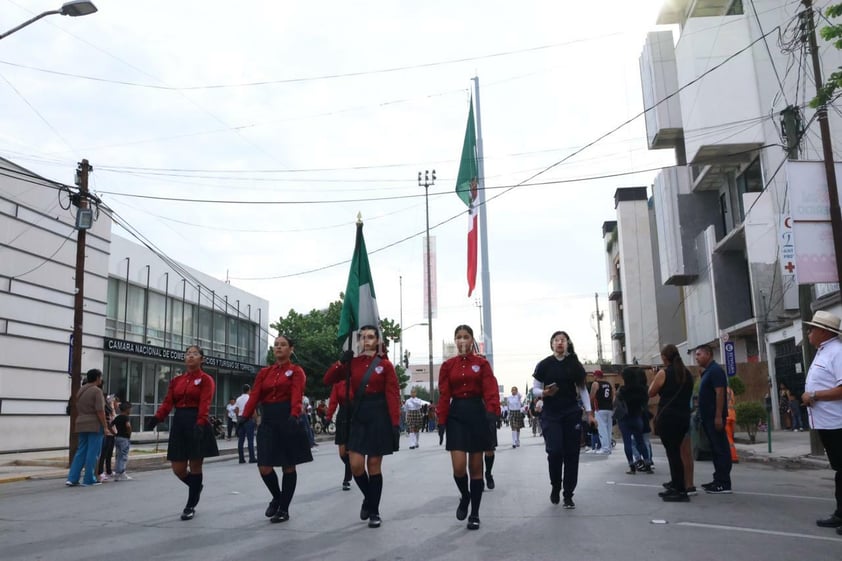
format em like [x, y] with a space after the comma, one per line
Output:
[104, 477]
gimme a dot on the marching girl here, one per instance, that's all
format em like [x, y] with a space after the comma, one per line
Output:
[515, 403]
[375, 417]
[414, 419]
[191, 436]
[281, 440]
[338, 402]
[468, 407]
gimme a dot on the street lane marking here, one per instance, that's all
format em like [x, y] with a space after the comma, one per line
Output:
[701, 492]
[758, 531]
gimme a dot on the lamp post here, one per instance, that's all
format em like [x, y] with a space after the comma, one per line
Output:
[73, 9]
[427, 181]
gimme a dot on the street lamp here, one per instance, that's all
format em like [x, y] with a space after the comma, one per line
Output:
[404, 356]
[73, 9]
[427, 181]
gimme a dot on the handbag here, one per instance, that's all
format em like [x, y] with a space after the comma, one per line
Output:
[621, 408]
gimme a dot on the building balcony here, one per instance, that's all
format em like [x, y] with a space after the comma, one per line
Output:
[615, 291]
[617, 331]
[659, 80]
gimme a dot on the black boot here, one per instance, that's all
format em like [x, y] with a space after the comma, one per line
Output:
[271, 482]
[465, 497]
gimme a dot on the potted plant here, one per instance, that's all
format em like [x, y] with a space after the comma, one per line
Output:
[749, 414]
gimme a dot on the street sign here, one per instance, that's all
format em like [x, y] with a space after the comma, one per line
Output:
[730, 358]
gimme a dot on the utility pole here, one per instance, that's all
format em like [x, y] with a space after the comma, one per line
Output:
[599, 316]
[426, 185]
[833, 194]
[83, 222]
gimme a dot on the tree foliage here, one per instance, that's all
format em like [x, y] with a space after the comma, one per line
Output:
[832, 33]
[316, 347]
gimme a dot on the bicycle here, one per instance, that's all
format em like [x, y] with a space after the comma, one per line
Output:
[318, 427]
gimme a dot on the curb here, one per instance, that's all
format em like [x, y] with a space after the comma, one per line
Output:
[792, 462]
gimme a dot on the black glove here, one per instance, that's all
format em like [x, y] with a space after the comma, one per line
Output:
[491, 418]
[151, 422]
[441, 429]
[346, 357]
[396, 438]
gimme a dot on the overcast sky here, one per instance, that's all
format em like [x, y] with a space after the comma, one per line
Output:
[319, 102]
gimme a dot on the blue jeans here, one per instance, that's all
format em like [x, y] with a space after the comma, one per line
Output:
[720, 449]
[87, 453]
[647, 443]
[122, 445]
[604, 421]
[246, 431]
[631, 426]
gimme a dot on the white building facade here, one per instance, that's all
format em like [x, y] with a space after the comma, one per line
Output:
[140, 312]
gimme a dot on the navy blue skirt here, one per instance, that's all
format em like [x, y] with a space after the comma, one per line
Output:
[342, 426]
[371, 427]
[468, 426]
[187, 442]
[280, 443]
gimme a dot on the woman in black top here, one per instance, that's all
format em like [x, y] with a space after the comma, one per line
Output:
[674, 385]
[633, 394]
[560, 381]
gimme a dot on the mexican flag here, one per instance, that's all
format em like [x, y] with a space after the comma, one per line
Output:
[360, 305]
[466, 188]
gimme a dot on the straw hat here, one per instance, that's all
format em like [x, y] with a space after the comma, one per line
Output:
[825, 320]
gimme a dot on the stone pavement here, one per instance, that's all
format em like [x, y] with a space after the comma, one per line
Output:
[790, 450]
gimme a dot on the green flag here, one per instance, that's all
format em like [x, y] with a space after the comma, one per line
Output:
[466, 180]
[360, 305]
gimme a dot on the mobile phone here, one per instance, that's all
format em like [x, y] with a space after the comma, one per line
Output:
[548, 386]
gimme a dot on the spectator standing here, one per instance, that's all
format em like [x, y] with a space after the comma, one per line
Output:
[231, 410]
[91, 425]
[823, 395]
[602, 395]
[103, 469]
[122, 441]
[713, 410]
[245, 426]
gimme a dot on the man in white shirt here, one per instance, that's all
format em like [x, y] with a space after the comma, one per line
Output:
[231, 408]
[245, 428]
[823, 395]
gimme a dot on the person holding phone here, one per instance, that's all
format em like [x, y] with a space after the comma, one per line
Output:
[559, 380]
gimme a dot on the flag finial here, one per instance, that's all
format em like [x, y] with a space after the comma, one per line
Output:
[359, 218]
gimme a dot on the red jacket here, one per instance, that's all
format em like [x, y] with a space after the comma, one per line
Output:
[337, 398]
[383, 380]
[191, 389]
[467, 376]
[275, 384]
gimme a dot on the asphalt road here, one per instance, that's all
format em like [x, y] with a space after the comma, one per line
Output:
[770, 516]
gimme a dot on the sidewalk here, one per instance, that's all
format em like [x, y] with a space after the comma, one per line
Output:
[53, 464]
[790, 450]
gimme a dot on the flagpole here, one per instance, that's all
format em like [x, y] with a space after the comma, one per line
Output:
[483, 236]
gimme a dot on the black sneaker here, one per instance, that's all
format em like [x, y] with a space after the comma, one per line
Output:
[555, 495]
[473, 523]
[374, 521]
[462, 509]
[707, 486]
[718, 489]
[489, 481]
[346, 485]
[667, 484]
[568, 503]
[674, 496]
[188, 513]
[272, 508]
[280, 516]
[364, 514]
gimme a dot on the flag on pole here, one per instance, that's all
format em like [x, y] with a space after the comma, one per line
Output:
[360, 305]
[466, 187]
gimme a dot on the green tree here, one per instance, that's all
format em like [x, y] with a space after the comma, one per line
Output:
[403, 377]
[833, 33]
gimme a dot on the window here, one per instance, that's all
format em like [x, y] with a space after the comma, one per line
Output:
[735, 9]
[218, 332]
[155, 326]
[134, 313]
[723, 212]
[205, 328]
[749, 181]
